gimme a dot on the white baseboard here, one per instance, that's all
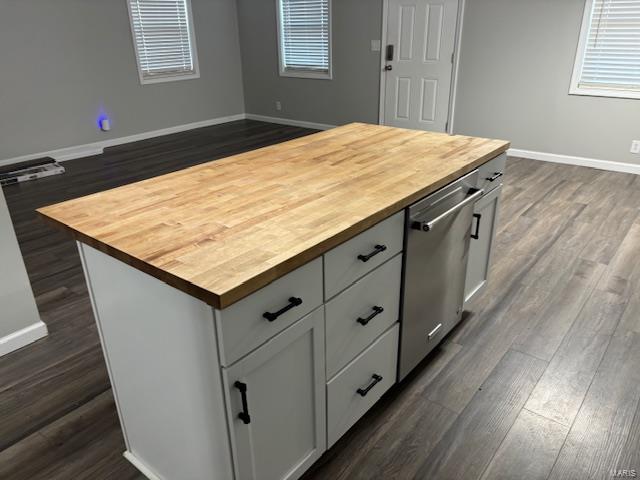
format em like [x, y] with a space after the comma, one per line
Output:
[580, 161]
[97, 148]
[288, 121]
[23, 337]
[142, 468]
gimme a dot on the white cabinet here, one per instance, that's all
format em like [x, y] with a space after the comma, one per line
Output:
[360, 314]
[361, 384]
[277, 404]
[249, 323]
[275, 372]
[491, 174]
[483, 232]
[356, 257]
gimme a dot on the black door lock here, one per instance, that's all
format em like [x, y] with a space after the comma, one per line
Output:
[389, 54]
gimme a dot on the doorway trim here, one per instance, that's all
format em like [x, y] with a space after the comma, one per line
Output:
[455, 68]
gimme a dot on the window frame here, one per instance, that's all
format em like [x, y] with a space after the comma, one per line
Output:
[301, 73]
[575, 88]
[167, 77]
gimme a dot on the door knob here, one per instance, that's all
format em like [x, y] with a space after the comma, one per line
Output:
[388, 67]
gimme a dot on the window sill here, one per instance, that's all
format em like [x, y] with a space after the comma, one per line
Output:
[169, 78]
[307, 74]
[604, 92]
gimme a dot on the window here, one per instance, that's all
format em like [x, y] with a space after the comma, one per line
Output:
[304, 38]
[608, 57]
[163, 38]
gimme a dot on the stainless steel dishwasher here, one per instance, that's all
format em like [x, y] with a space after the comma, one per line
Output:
[438, 229]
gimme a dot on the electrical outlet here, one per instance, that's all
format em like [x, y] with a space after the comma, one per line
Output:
[278, 105]
[635, 146]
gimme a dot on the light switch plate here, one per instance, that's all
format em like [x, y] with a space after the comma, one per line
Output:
[635, 146]
[375, 45]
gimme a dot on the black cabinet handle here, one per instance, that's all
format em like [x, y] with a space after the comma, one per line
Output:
[375, 379]
[376, 311]
[495, 176]
[244, 414]
[293, 302]
[476, 235]
[376, 250]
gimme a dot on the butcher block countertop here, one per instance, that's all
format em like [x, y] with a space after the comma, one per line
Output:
[224, 229]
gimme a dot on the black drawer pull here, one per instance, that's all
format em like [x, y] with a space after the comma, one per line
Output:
[376, 311]
[476, 235]
[375, 379]
[244, 414]
[495, 176]
[376, 250]
[293, 302]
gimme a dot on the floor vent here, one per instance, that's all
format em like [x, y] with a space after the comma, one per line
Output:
[31, 170]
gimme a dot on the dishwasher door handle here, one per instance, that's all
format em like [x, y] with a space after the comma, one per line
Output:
[428, 226]
[433, 332]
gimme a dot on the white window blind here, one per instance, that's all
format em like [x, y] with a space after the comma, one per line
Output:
[163, 36]
[304, 35]
[609, 57]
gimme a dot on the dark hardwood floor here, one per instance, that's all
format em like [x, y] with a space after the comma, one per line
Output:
[541, 380]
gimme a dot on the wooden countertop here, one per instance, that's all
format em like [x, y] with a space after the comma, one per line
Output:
[224, 229]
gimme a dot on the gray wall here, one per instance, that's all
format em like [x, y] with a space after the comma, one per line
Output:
[62, 61]
[516, 64]
[17, 305]
[352, 95]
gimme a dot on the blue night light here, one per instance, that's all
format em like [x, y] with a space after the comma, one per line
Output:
[103, 122]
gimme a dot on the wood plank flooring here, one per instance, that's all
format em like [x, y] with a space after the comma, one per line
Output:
[540, 380]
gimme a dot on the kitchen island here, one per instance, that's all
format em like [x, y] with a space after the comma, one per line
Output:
[248, 308]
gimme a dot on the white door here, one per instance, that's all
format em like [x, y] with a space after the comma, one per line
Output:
[418, 74]
[277, 403]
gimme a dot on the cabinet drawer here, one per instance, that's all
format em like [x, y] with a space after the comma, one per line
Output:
[356, 257]
[491, 174]
[355, 389]
[242, 327]
[358, 316]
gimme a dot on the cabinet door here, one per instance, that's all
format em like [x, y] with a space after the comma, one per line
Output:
[277, 405]
[484, 225]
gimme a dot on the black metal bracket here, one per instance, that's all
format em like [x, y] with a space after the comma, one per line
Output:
[244, 414]
[375, 379]
[293, 302]
[476, 235]
[376, 250]
[376, 311]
